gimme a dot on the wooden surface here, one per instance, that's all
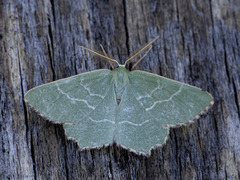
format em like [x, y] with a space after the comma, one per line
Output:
[199, 44]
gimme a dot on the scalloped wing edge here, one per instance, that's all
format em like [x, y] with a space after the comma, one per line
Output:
[140, 153]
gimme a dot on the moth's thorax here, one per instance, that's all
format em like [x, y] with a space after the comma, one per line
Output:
[120, 80]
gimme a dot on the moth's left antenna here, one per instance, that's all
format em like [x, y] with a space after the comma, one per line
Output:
[148, 45]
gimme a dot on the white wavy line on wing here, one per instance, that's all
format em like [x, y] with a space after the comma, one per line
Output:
[75, 99]
[92, 94]
[134, 124]
[166, 100]
[144, 96]
[151, 93]
[100, 121]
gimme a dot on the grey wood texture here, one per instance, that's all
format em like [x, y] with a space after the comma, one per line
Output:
[199, 44]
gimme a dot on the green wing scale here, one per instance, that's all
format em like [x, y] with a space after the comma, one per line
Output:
[131, 108]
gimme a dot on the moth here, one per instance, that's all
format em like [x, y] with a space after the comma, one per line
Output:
[133, 109]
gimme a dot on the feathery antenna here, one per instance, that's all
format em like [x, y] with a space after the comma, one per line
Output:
[110, 60]
[140, 51]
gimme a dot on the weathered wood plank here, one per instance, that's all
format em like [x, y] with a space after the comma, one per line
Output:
[199, 44]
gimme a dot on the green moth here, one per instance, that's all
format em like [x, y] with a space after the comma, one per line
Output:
[131, 108]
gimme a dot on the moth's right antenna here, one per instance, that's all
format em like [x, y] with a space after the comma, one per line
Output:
[110, 60]
[104, 52]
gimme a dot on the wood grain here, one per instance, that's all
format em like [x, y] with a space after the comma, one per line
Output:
[199, 44]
